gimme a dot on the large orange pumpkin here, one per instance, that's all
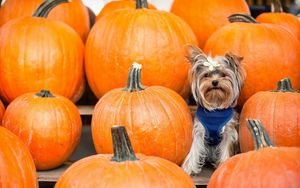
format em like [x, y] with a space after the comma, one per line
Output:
[37, 53]
[117, 5]
[16, 164]
[205, 17]
[277, 16]
[279, 110]
[154, 116]
[124, 169]
[2, 110]
[74, 13]
[270, 53]
[50, 125]
[156, 39]
[266, 167]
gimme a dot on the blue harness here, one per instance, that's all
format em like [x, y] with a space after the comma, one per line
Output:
[213, 122]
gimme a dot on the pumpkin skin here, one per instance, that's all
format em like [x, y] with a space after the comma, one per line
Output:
[69, 13]
[50, 127]
[117, 5]
[267, 167]
[37, 53]
[277, 16]
[254, 42]
[2, 110]
[156, 39]
[16, 164]
[205, 17]
[124, 169]
[155, 116]
[279, 111]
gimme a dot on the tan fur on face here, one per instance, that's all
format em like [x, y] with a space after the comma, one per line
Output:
[230, 76]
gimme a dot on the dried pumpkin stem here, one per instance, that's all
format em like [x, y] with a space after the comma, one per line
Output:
[134, 79]
[121, 145]
[276, 6]
[44, 93]
[44, 9]
[141, 4]
[241, 18]
[259, 134]
[285, 85]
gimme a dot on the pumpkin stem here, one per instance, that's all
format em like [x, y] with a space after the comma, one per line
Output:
[285, 85]
[134, 79]
[259, 134]
[241, 18]
[44, 9]
[44, 93]
[121, 144]
[276, 6]
[0, 2]
[141, 4]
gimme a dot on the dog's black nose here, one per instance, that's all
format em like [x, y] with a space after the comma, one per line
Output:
[215, 82]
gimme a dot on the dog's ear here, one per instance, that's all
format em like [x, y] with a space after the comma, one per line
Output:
[235, 62]
[195, 54]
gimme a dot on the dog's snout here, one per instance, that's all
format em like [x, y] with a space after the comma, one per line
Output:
[215, 82]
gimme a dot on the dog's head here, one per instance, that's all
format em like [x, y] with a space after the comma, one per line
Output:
[215, 82]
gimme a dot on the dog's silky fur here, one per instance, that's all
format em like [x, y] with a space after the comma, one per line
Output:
[229, 75]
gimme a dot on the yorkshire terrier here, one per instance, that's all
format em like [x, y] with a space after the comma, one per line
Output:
[216, 84]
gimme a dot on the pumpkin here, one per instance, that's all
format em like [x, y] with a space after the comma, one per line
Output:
[156, 39]
[2, 110]
[124, 169]
[277, 16]
[279, 110]
[266, 167]
[154, 116]
[69, 13]
[270, 53]
[205, 17]
[50, 126]
[117, 5]
[37, 53]
[16, 164]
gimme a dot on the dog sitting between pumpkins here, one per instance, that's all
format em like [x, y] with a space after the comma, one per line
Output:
[216, 84]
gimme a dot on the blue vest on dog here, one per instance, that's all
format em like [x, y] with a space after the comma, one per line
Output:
[213, 122]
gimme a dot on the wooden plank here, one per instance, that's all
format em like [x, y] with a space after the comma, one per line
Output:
[53, 175]
[204, 176]
[85, 109]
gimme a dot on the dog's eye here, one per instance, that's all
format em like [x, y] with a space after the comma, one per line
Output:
[223, 75]
[206, 75]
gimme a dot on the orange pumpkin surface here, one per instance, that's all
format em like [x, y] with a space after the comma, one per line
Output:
[2, 110]
[50, 125]
[270, 53]
[124, 169]
[277, 16]
[279, 111]
[118, 5]
[38, 53]
[205, 17]
[158, 119]
[17, 168]
[69, 13]
[266, 167]
[156, 39]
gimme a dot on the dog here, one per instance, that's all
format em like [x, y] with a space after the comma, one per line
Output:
[215, 85]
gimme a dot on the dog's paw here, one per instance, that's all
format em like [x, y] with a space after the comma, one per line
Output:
[190, 168]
